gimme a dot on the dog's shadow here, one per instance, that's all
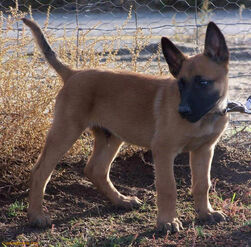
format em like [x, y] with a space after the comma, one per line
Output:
[134, 176]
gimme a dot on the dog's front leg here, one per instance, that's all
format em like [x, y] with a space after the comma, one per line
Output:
[200, 162]
[166, 188]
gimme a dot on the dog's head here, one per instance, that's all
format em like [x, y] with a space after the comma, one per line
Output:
[202, 79]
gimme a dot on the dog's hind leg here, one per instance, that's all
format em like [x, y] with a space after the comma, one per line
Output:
[106, 147]
[200, 162]
[63, 133]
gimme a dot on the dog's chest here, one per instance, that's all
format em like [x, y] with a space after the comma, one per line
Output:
[205, 132]
[196, 142]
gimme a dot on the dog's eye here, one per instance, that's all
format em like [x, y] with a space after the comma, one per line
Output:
[201, 82]
[204, 83]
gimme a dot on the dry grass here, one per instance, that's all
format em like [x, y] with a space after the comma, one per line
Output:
[28, 87]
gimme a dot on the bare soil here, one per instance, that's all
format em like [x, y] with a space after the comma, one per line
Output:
[83, 217]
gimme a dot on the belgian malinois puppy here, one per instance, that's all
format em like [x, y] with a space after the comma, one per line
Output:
[167, 115]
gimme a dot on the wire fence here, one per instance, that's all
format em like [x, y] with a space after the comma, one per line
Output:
[184, 20]
[170, 17]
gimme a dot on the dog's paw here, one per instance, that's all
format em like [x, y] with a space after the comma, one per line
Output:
[39, 220]
[212, 217]
[172, 226]
[128, 202]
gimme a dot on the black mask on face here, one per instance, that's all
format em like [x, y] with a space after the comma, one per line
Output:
[197, 98]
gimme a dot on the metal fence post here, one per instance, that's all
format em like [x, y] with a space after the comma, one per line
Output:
[17, 6]
[197, 26]
[77, 41]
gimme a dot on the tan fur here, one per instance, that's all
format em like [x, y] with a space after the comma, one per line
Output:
[139, 109]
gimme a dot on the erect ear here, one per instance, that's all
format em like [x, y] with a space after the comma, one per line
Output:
[174, 57]
[215, 44]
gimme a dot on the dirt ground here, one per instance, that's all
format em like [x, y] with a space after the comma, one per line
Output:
[83, 217]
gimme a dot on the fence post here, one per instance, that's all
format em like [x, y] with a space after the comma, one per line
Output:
[77, 41]
[197, 26]
[17, 7]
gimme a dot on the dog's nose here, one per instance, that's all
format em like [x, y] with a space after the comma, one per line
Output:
[185, 109]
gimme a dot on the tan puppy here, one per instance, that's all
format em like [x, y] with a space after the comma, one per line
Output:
[167, 115]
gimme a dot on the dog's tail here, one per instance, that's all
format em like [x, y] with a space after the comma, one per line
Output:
[63, 70]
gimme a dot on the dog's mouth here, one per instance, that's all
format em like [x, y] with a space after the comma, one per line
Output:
[196, 107]
[194, 116]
